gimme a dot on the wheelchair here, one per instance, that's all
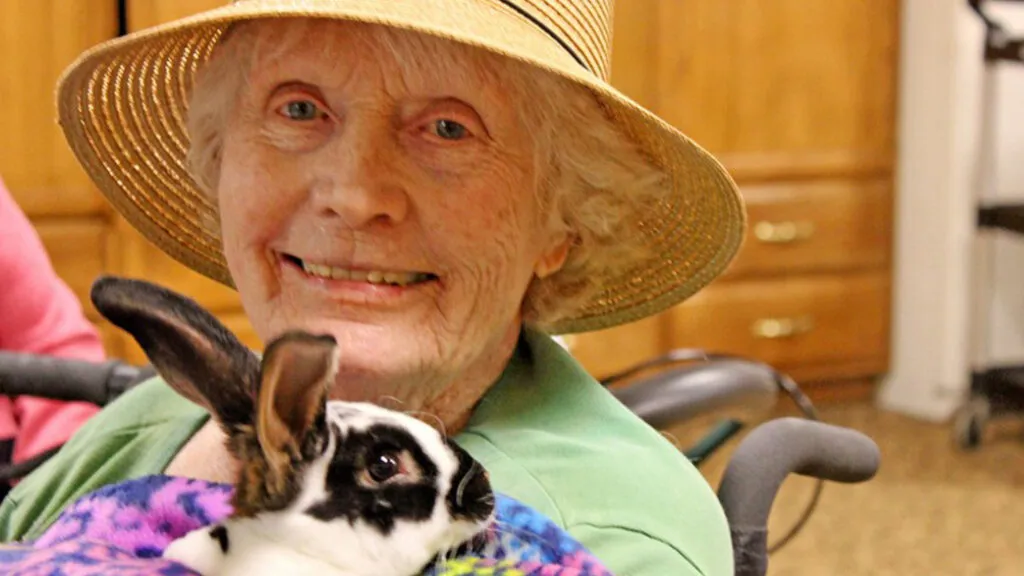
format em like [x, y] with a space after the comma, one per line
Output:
[667, 390]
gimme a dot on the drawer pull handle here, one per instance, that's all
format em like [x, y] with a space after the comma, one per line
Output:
[784, 232]
[776, 328]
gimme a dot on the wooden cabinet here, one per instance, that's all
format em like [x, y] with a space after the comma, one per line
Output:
[78, 251]
[798, 101]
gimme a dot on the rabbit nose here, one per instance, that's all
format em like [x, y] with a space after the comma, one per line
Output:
[471, 497]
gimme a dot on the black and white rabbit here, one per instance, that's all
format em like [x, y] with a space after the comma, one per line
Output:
[324, 487]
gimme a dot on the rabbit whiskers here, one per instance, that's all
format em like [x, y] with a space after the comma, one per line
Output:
[464, 481]
[396, 404]
[420, 415]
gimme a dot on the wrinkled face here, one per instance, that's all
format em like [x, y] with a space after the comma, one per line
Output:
[393, 489]
[368, 191]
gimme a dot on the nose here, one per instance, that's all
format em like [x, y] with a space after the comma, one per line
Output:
[360, 179]
[470, 496]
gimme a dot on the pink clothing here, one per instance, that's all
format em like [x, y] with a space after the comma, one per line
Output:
[38, 314]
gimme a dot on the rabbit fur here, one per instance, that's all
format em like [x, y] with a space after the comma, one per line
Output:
[324, 487]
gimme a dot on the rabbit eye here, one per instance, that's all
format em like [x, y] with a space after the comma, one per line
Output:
[383, 465]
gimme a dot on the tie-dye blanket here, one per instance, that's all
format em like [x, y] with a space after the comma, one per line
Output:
[122, 529]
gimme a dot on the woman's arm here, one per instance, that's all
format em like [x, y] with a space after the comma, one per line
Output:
[42, 316]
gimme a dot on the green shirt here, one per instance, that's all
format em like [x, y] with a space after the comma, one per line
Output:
[550, 435]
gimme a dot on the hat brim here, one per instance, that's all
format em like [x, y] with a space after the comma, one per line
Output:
[122, 106]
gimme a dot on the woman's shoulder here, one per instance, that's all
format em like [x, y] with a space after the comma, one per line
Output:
[137, 434]
[554, 438]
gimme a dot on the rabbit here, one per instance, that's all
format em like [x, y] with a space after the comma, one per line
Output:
[325, 487]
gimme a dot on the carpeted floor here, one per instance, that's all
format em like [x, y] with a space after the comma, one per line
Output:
[931, 509]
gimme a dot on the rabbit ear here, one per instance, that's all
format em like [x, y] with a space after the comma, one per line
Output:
[298, 372]
[194, 353]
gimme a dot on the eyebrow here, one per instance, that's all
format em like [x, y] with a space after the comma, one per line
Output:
[294, 84]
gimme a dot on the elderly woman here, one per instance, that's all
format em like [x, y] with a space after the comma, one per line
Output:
[441, 185]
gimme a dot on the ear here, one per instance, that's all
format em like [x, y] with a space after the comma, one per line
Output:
[553, 258]
[194, 353]
[297, 375]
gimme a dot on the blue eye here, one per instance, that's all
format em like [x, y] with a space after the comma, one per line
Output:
[449, 130]
[301, 110]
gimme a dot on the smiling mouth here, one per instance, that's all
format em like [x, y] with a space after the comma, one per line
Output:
[378, 277]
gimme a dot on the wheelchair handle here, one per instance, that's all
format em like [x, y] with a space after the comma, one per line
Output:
[23, 374]
[764, 459]
[785, 446]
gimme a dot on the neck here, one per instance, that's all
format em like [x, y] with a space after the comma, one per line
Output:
[445, 403]
[453, 407]
[206, 457]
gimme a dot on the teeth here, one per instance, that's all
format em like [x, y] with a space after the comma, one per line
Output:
[371, 276]
[317, 270]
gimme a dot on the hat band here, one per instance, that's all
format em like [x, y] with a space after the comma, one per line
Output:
[547, 31]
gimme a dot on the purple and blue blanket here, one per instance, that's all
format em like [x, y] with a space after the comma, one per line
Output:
[122, 529]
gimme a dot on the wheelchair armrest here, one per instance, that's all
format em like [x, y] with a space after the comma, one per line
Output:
[764, 459]
[683, 392]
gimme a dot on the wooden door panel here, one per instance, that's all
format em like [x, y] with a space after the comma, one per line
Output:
[77, 251]
[146, 13]
[814, 81]
[140, 258]
[113, 339]
[634, 50]
[779, 88]
[38, 40]
[693, 66]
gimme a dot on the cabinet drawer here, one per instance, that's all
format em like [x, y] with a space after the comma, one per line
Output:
[815, 226]
[792, 322]
[77, 251]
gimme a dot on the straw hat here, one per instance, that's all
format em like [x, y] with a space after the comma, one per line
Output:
[122, 107]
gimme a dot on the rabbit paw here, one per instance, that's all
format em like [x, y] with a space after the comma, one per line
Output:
[202, 550]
